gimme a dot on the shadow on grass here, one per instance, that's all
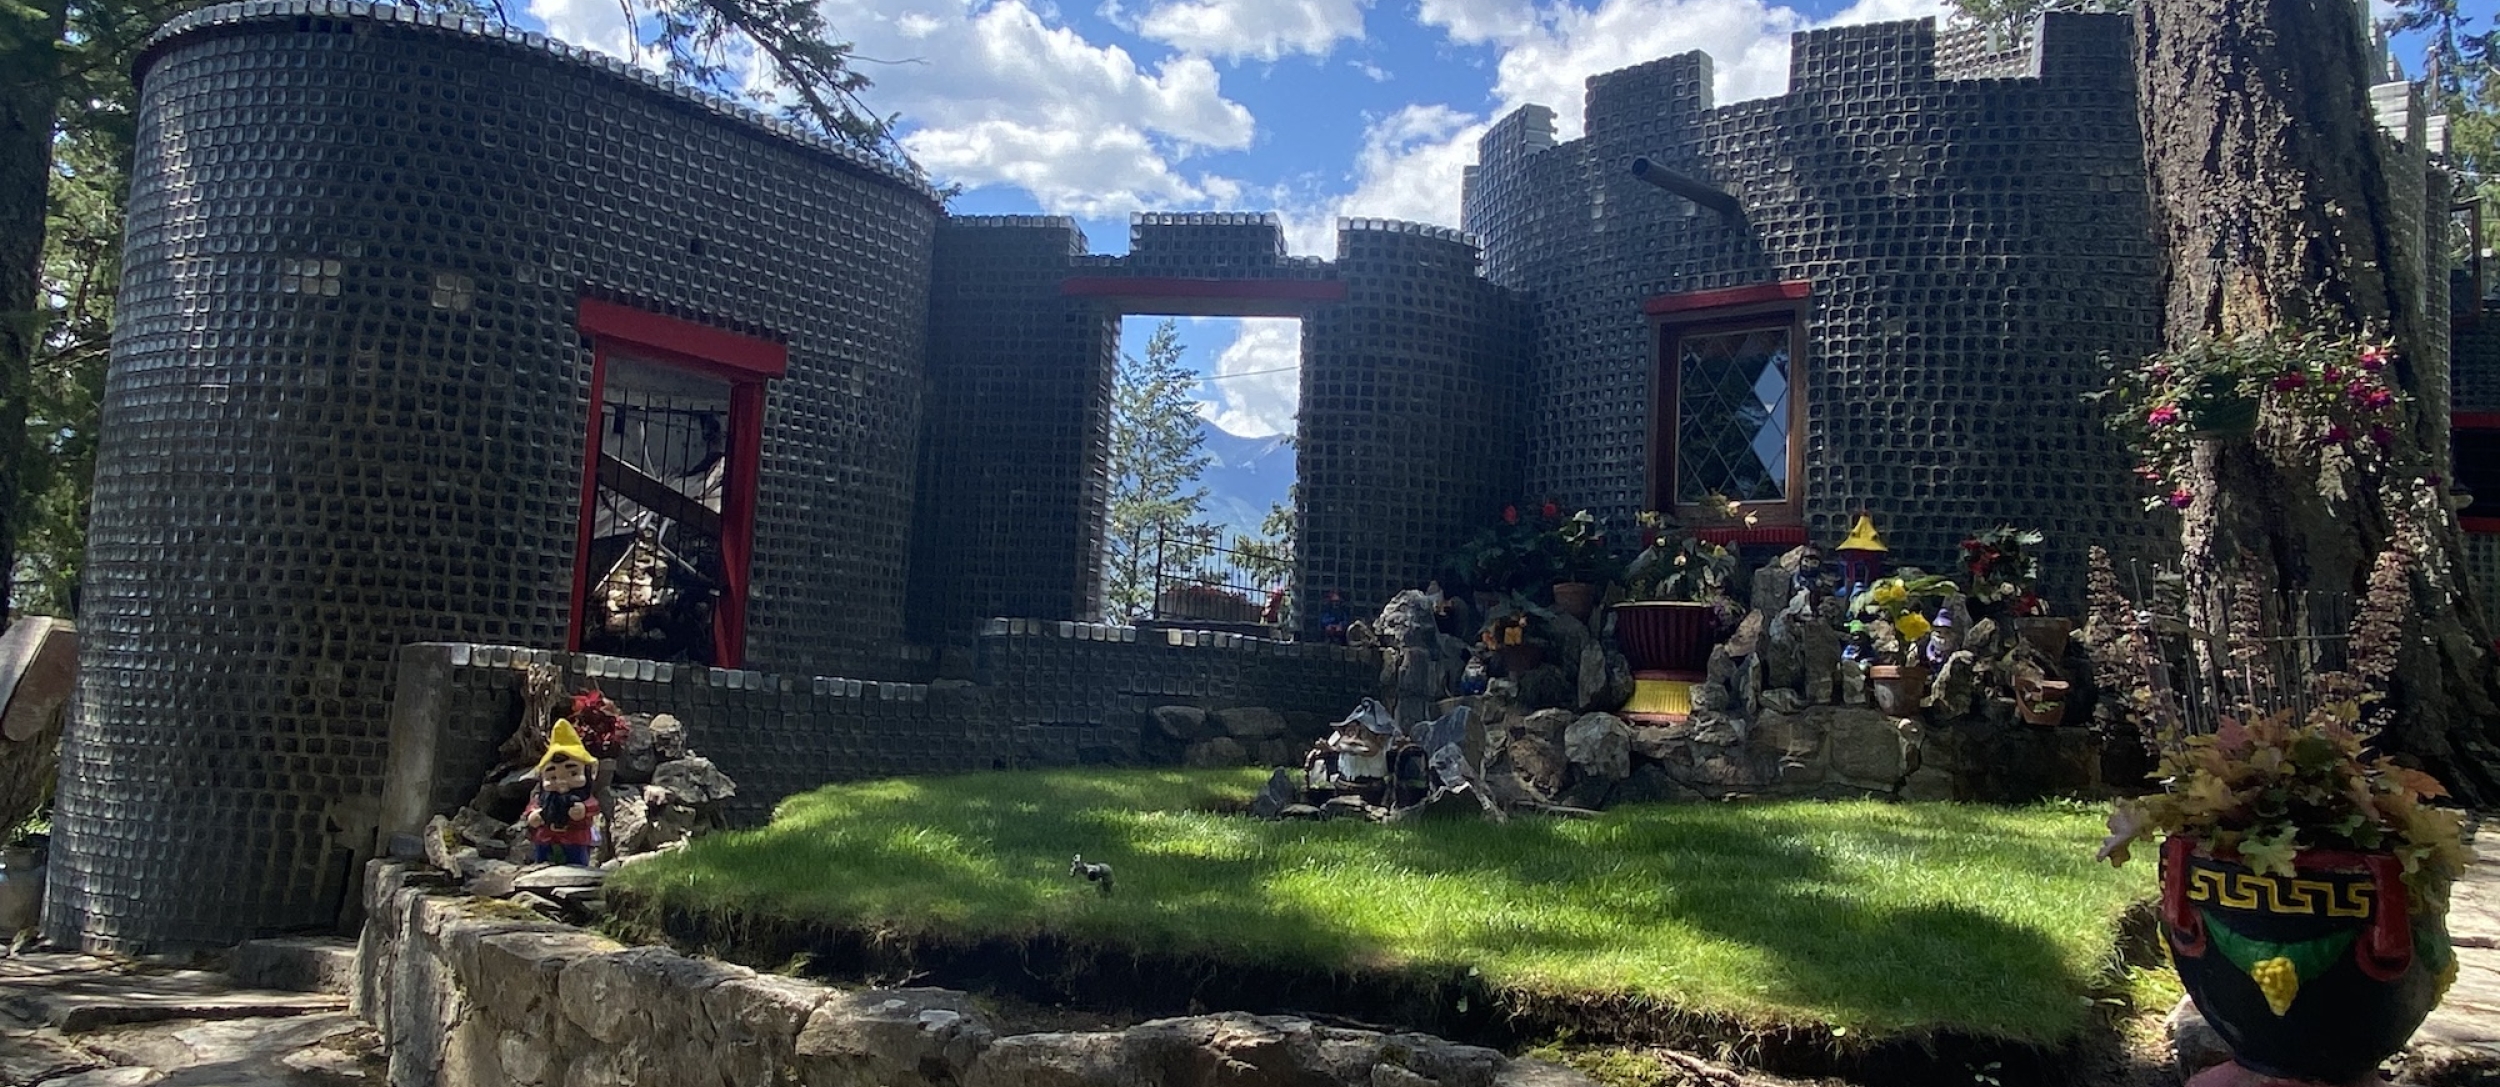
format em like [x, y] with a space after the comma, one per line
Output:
[1625, 929]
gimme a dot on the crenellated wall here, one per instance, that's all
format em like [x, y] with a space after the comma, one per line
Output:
[1971, 246]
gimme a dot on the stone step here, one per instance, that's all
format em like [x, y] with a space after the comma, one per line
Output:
[76, 994]
[306, 964]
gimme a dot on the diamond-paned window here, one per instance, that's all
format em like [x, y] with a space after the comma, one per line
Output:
[1733, 388]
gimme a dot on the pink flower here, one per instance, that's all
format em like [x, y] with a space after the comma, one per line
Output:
[2180, 498]
[2383, 436]
[2378, 398]
[2334, 375]
[2373, 359]
[2161, 373]
[2358, 390]
[2289, 382]
[2334, 434]
[2163, 415]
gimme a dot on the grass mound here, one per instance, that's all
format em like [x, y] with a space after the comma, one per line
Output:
[1856, 918]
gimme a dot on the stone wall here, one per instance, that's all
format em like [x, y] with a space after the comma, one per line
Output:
[465, 995]
[1037, 694]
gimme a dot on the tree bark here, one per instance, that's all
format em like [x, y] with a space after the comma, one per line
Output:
[30, 90]
[2277, 205]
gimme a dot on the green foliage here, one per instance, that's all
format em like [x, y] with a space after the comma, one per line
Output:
[1679, 567]
[2327, 402]
[2286, 772]
[2458, 62]
[1268, 556]
[1517, 554]
[1154, 464]
[1881, 919]
[2003, 567]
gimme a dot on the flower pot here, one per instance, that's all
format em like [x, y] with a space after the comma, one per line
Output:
[1519, 660]
[1898, 688]
[2046, 633]
[1577, 599]
[1667, 635]
[2226, 416]
[2042, 703]
[2348, 970]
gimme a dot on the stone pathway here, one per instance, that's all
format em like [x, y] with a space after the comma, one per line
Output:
[2465, 1031]
[81, 1021]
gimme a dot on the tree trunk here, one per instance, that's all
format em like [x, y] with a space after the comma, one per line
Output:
[2279, 208]
[30, 90]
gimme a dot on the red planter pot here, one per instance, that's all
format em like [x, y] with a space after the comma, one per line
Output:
[2348, 971]
[1672, 639]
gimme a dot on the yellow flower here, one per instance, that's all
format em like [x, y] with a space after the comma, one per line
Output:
[1891, 594]
[2279, 980]
[1911, 627]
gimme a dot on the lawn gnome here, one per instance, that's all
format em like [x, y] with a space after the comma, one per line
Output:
[1355, 749]
[562, 811]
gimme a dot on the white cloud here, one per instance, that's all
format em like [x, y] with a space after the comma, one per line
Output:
[1258, 379]
[1261, 29]
[1371, 71]
[1002, 94]
[1411, 162]
[591, 24]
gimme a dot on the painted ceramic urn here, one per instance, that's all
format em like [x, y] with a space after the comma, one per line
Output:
[2314, 977]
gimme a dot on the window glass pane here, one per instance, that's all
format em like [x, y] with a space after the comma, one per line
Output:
[1732, 417]
[655, 543]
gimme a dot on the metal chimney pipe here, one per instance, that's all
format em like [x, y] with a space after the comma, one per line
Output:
[1687, 188]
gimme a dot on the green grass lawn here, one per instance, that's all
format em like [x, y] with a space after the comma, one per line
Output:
[1876, 919]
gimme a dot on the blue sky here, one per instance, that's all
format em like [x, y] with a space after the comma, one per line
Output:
[1313, 109]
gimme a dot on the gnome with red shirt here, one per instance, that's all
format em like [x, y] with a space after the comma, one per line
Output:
[562, 810]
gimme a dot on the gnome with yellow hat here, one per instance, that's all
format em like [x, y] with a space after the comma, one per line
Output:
[562, 809]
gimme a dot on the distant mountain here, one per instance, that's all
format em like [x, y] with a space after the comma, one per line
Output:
[1246, 477]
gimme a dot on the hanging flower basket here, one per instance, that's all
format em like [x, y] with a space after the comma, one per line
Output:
[2220, 418]
[2314, 977]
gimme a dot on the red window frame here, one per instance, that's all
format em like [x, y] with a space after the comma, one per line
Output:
[745, 363]
[1671, 317]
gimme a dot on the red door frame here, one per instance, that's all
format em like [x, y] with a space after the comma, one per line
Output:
[746, 363]
[1671, 316]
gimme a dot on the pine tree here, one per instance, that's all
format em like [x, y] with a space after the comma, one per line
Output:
[1156, 503]
[2273, 202]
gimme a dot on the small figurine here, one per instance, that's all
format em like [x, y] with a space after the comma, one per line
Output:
[1355, 749]
[562, 811]
[1097, 874]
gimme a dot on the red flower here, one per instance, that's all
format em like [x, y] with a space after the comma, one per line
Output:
[2334, 375]
[2289, 382]
[2383, 436]
[2163, 415]
[1510, 515]
[2180, 498]
[2378, 398]
[1551, 511]
[2373, 359]
[2334, 434]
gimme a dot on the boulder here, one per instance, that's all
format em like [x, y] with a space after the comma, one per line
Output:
[1599, 747]
[1714, 697]
[1538, 765]
[1219, 752]
[1713, 727]
[1957, 682]
[1748, 636]
[1656, 743]
[1782, 700]
[694, 781]
[1187, 724]
[1850, 678]
[1797, 736]
[1545, 725]
[2194, 1043]
[1927, 783]
[898, 1037]
[1605, 679]
[1247, 723]
[1546, 685]
[1651, 784]
[1865, 747]
[1818, 657]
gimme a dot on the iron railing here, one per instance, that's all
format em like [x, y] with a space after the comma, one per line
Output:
[1197, 580]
